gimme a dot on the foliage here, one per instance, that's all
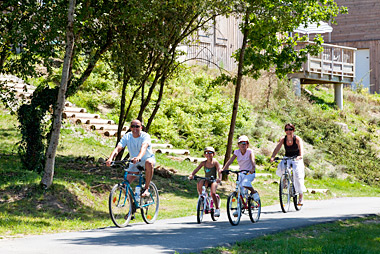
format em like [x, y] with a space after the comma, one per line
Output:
[317, 123]
[268, 26]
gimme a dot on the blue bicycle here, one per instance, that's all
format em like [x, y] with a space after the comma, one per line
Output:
[124, 202]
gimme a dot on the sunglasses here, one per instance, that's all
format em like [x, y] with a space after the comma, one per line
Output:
[135, 126]
[209, 152]
[243, 143]
[289, 129]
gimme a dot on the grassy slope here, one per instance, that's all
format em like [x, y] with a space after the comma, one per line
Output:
[79, 196]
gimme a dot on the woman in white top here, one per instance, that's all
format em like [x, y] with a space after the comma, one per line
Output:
[246, 161]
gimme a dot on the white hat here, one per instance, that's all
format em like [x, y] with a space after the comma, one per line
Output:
[243, 138]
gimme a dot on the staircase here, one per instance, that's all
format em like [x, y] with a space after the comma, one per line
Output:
[76, 115]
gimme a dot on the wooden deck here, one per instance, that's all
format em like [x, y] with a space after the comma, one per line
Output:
[336, 64]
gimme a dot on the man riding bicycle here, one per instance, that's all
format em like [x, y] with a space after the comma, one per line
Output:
[139, 146]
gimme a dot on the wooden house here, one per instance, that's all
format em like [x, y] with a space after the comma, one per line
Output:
[215, 46]
[360, 29]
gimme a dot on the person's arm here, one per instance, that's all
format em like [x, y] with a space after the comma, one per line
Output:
[252, 157]
[191, 176]
[300, 147]
[217, 165]
[278, 147]
[229, 162]
[114, 153]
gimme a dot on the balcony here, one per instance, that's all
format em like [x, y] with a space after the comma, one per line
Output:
[336, 64]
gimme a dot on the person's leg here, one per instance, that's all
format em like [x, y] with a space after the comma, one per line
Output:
[131, 178]
[299, 179]
[213, 194]
[199, 186]
[149, 168]
[247, 182]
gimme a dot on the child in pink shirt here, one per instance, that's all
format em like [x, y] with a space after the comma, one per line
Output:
[246, 161]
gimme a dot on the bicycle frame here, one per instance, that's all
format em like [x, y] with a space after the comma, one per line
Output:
[208, 205]
[286, 188]
[128, 187]
[123, 203]
[238, 202]
[242, 194]
[289, 173]
[205, 203]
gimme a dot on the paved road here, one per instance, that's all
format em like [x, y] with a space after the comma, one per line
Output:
[185, 235]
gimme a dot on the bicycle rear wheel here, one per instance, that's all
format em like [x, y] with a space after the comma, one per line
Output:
[150, 205]
[284, 193]
[213, 217]
[254, 209]
[120, 205]
[233, 209]
[200, 209]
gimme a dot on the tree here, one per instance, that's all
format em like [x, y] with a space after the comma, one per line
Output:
[47, 179]
[40, 34]
[266, 28]
[164, 26]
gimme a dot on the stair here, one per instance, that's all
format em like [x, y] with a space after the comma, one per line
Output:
[77, 115]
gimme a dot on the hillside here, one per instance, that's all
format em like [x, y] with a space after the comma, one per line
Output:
[194, 114]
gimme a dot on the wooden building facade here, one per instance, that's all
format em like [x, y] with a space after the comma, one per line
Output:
[215, 46]
[360, 29]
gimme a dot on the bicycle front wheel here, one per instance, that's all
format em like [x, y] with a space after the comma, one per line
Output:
[254, 209]
[150, 205]
[200, 209]
[233, 209]
[120, 205]
[213, 217]
[284, 193]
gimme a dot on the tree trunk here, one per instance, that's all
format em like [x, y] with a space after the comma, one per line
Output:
[158, 103]
[47, 179]
[237, 94]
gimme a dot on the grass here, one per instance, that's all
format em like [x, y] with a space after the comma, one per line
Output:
[78, 199]
[360, 235]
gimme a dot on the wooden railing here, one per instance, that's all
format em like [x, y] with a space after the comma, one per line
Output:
[336, 63]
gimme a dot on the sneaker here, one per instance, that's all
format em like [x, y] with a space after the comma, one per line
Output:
[217, 213]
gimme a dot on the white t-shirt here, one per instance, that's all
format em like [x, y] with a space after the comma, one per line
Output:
[244, 161]
[134, 145]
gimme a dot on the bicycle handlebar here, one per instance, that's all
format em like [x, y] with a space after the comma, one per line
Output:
[227, 171]
[124, 164]
[211, 179]
[286, 158]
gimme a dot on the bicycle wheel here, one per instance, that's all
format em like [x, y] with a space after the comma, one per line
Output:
[295, 199]
[213, 217]
[200, 209]
[233, 209]
[120, 205]
[254, 209]
[284, 193]
[150, 205]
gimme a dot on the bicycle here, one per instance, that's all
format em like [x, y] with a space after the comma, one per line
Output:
[286, 187]
[240, 201]
[205, 203]
[123, 201]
